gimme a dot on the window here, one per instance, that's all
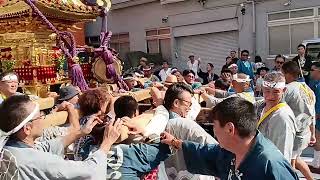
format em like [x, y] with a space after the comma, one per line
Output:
[289, 28]
[158, 41]
[301, 13]
[121, 43]
[300, 32]
[279, 40]
[277, 16]
[319, 29]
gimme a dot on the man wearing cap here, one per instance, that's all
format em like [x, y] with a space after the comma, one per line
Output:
[70, 94]
[277, 121]
[8, 85]
[21, 158]
[241, 85]
[193, 64]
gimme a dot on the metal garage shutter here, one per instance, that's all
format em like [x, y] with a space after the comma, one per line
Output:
[212, 48]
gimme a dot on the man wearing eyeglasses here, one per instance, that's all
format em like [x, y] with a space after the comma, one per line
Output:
[244, 65]
[178, 101]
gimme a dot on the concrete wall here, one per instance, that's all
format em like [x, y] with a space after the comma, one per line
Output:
[136, 19]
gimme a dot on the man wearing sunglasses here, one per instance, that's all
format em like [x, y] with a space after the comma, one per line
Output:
[244, 65]
[279, 60]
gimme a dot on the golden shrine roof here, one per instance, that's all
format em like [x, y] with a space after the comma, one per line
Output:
[73, 10]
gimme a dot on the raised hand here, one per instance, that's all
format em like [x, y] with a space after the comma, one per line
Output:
[166, 138]
[134, 128]
[64, 106]
[87, 128]
[112, 132]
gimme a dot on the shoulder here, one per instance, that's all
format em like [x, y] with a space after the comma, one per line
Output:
[285, 116]
[295, 58]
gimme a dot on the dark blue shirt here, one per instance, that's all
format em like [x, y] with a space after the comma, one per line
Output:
[263, 161]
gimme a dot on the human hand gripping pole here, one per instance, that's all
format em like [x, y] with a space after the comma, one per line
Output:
[75, 134]
[170, 140]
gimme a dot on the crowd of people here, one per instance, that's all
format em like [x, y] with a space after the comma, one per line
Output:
[262, 120]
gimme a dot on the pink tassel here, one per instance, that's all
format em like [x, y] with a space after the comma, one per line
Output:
[77, 77]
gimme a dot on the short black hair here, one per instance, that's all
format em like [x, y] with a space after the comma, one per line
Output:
[257, 59]
[301, 45]
[291, 67]
[244, 51]
[188, 71]
[261, 69]
[13, 111]
[280, 56]
[174, 92]
[165, 62]
[211, 65]
[221, 84]
[125, 106]
[226, 71]
[240, 112]
[233, 51]
[228, 57]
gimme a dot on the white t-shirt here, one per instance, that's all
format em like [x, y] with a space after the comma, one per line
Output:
[164, 73]
[194, 67]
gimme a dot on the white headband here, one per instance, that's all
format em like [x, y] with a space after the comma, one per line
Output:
[247, 79]
[4, 136]
[233, 65]
[10, 77]
[277, 85]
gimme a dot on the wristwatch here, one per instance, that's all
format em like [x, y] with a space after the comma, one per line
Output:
[175, 143]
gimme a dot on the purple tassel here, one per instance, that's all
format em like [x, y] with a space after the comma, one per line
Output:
[68, 48]
[77, 78]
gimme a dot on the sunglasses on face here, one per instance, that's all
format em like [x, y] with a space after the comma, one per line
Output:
[190, 76]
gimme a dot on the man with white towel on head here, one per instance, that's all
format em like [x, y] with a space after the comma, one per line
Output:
[277, 121]
[8, 85]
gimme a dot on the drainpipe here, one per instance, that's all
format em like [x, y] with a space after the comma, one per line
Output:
[253, 25]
